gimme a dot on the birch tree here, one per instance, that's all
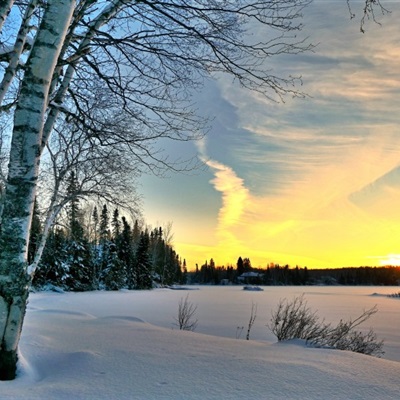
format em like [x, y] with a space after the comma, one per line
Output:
[22, 178]
[149, 57]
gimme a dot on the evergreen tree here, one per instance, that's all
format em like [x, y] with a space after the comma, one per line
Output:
[73, 212]
[79, 261]
[95, 218]
[178, 278]
[80, 275]
[125, 250]
[158, 256]
[247, 265]
[96, 259]
[136, 234]
[116, 224]
[104, 240]
[184, 272]
[239, 266]
[104, 224]
[143, 273]
[114, 275]
[53, 268]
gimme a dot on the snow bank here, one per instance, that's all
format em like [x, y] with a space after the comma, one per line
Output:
[104, 351]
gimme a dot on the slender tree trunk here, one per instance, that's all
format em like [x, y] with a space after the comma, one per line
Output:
[50, 218]
[11, 69]
[5, 7]
[22, 179]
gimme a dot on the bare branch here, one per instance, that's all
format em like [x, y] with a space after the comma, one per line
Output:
[369, 12]
[17, 50]
[186, 315]
[252, 319]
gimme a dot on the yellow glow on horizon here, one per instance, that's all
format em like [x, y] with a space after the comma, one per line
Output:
[391, 259]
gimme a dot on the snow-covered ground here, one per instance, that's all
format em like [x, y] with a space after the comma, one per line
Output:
[124, 345]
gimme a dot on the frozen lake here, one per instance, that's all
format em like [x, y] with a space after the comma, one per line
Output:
[223, 310]
[95, 345]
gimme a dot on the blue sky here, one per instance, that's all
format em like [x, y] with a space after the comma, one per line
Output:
[311, 181]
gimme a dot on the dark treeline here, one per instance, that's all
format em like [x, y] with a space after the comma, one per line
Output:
[105, 253]
[274, 274]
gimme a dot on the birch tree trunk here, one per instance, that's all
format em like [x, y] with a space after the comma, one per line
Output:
[22, 179]
[15, 56]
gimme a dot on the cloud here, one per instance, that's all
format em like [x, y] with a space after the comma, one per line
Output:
[234, 192]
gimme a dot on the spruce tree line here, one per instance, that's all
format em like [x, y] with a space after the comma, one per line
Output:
[275, 274]
[107, 254]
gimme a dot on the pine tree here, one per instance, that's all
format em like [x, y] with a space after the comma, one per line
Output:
[126, 253]
[80, 275]
[239, 266]
[118, 250]
[53, 268]
[247, 265]
[104, 224]
[95, 218]
[73, 212]
[96, 259]
[178, 278]
[136, 233]
[157, 251]
[184, 272]
[143, 273]
[116, 224]
[114, 275]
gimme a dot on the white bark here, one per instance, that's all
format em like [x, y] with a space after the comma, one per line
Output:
[54, 211]
[17, 50]
[15, 320]
[33, 100]
[23, 174]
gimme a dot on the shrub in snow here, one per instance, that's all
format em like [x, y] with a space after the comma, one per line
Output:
[186, 320]
[295, 320]
[252, 319]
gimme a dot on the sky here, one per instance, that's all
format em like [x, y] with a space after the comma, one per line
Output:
[310, 182]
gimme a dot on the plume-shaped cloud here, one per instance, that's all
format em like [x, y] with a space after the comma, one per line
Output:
[234, 196]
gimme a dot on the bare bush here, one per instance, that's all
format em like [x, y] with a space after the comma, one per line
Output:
[186, 320]
[295, 320]
[239, 331]
[253, 316]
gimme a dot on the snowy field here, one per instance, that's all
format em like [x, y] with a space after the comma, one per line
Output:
[124, 345]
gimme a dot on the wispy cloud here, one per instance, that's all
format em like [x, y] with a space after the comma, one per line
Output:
[234, 196]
